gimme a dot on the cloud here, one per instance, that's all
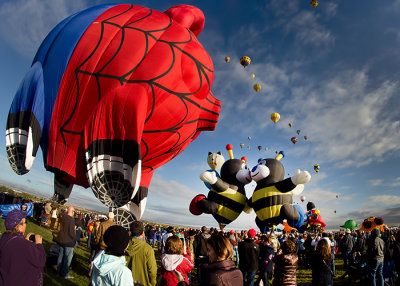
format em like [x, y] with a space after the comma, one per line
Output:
[379, 182]
[376, 183]
[384, 200]
[25, 23]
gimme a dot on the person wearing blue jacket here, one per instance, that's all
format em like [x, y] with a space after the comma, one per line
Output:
[109, 264]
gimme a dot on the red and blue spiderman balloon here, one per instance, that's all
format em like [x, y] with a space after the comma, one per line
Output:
[113, 93]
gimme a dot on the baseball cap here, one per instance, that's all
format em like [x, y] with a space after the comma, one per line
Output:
[13, 218]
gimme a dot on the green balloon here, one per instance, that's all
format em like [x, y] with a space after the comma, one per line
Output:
[350, 224]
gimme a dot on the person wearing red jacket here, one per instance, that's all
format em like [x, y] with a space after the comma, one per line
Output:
[174, 262]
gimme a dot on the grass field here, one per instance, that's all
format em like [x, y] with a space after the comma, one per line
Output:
[80, 265]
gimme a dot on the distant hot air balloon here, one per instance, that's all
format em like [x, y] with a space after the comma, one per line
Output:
[227, 59]
[249, 137]
[290, 124]
[294, 140]
[314, 3]
[259, 148]
[276, 152]
[302, 198]
[241, 145]
[248, 147]
[266, 148]
[305, 137]
[298, 131]
[257, 87]
[334, 211]
[275, 117]
[252, 76]
[245, 61]
[316, 168]
[337, 196]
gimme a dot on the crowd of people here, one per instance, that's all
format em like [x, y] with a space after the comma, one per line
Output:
[119, 256]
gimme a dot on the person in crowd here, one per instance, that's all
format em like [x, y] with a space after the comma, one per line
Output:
[321, 264]
[22, 259]
[249, 252]
[172, 261]
[109, 264]
[374, 257]
[165, 236]
[89, 230]
[53, 218]
[102, 229]
[141, 258]
[346, 247]
[94, 248]
[150, 235]
[66, 239]
[221, 269]
[200, 249]
[285, 265]
[265, 264]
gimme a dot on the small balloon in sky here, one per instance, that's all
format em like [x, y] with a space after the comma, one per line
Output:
[257, 87]
[294, 140]
[305, 137]
[259, 148]
[252, 76]
[249, 137]
[245, 61]
[248, 147]
[241, 145]
[314, 3]
[303, 198]
[275, 117]
[290, 124]
[316, 168]
[227, 59]
[298, 131]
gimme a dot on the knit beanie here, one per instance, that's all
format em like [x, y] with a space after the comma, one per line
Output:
[116, 238]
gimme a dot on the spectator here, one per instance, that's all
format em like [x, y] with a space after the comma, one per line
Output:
[53, 217]
[66, 239]
[200, 249]
[21, 260]
[285, 265]
[165, 236]
[248, 254]
[346, 248]
[374, 257]
[109, 264]
[150, 235]
[173, 261]
[93, 245]
[141, 259]
[265, 265]
[322, 264]
[221, 269]
[102, 229]
[89, 230]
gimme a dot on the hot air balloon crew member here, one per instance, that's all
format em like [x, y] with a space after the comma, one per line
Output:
[220, 270]
[249, 252]
[227, 196]
[22, 259]
[66, 239]
[200, 249]
[140, 257]
[285, 263]
[346, 248]
[322, 264]
[109, 264]
[375, 256]
[265, 264]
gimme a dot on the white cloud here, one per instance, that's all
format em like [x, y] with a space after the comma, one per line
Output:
[384, 200]
[25, 23]
[376, 183]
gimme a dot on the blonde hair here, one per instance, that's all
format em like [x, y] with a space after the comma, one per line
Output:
[222, 246]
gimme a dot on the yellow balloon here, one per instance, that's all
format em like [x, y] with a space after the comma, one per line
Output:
[257, 87]
[314, 3]
[290, 124]
[275, 117]
[245, 61]
[253, 75]
[227, 59]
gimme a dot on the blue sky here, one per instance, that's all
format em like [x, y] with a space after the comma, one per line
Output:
[333, 71]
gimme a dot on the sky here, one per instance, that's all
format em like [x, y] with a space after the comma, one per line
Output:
[333, 71]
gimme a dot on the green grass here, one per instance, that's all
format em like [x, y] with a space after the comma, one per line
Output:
[80, 263]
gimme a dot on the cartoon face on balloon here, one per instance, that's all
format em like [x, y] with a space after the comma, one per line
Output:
[113, 93]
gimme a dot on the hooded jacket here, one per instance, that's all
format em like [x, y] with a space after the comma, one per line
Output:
[248, 254]
[171, 263]
[285, 269]
[221, 273]
[110, 270]
[375, 247]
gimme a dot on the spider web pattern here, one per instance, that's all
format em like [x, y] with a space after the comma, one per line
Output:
[189, 101]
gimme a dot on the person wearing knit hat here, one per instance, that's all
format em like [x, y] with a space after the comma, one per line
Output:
[249, 252]
[109, 264]
[19, 253]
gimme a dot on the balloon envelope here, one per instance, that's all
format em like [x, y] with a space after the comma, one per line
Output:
[302, 198]
[227, 59]
[257, 87]
[245, 61]
[298, 131]
[241, 145]
[275, 117]
[290, 124]
[253, 76]
[294, 140]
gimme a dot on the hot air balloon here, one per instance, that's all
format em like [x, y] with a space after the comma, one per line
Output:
[98, 109]
[316, 168]
[337, 196]
[249, 137]
[298, 131]
[314, 3]
[241, 145]
[257, 87]
[290, 124]
[305, 137]
[294, 140]
[259, 148]
[302, 198]
[252, 76]
[227, 59]
[248, 147]
[266, 148]
[275, 117]
[334, 211]
[245, 61]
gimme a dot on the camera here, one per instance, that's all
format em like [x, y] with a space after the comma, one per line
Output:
[32, 238]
